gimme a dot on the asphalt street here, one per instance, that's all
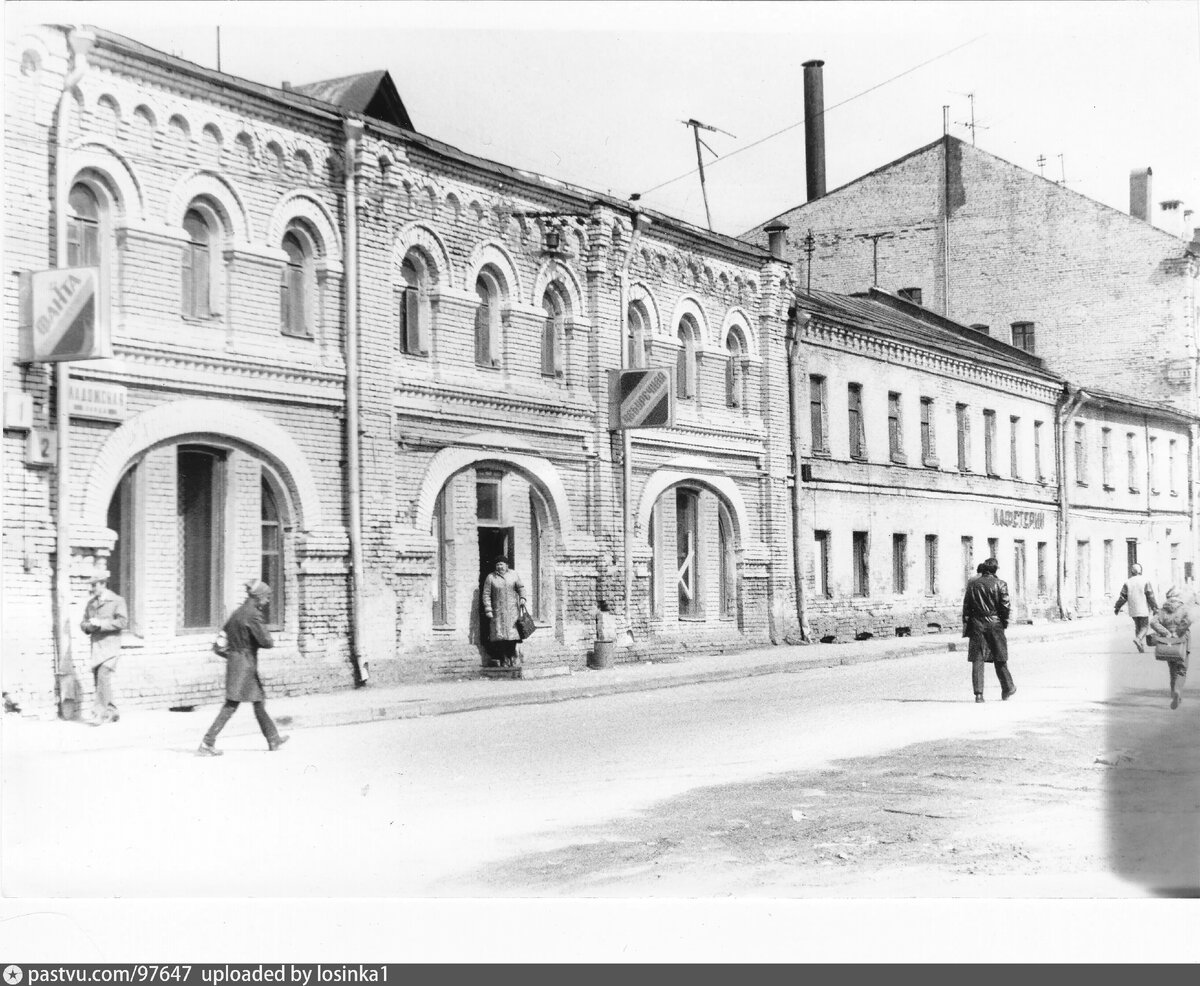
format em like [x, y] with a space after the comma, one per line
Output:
[438, 806]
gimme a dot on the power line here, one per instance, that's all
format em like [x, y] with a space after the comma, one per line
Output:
[793, 126]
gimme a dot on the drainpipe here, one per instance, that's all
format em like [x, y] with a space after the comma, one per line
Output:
[795, 325]
[353, 131]
[1068, 405]
[638, 222]
[946, 221]
[66, 685]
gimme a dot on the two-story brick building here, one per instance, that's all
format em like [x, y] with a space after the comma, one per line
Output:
[360, 364]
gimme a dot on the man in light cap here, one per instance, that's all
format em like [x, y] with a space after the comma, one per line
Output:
[104, 617]
[1142, 605]
[246, 633]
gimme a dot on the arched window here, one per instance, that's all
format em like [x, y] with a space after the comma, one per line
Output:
[296, 287]
[196, 274]
[414, 310]
[685, 367]
[734, 377]
[635, 354]
[553, 329]
[83, 228]
[487, 321]
[271, 569]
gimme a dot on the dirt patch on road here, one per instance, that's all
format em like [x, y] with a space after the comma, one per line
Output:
[1109, 798]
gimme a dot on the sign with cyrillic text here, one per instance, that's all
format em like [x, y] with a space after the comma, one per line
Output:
[640, 399]
[61, 317]
[96, 401]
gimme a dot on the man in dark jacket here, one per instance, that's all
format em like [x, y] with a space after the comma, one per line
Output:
[246, 633]
[985, 618]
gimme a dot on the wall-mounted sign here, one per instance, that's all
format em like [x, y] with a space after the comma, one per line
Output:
[96, 401]
[1019, 518]
[61, 317]
[640, 399]
[41, 447]
[18, 411]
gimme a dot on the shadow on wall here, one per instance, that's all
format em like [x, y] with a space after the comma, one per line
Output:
[1152, 776]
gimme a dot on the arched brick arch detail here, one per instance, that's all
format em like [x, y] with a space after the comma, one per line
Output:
[303, 205]
[738, 317]
[107, 162]
[215, 187]
[493, 253]
[689, 304]
[450, 461]
[639, 292]
[422, 236]
[194, 417]
[556, 270]
[694, 471]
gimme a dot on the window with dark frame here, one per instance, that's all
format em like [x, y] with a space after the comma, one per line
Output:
[964, 437]
[1106, 458]
[83, 228]
[294, 288]
[989, 442]
[968, 559]
[899, 563]
[1037, 451]
[487, 500]
[818, 418]
[860, 563]
[733, 370]
[1081, 475]
[271, 569]
[486, 322]
[635, 357]
[196, 272]
[553, 331]
[1131, 457]
[1022, 336]
[413, 311]
[199, 506]
[685, 365]
[442, 535]
[1042, 570]
[910, 294]
[854, 411]
[931, 564]
[687, 530]
[928, 438]
[1014, 457]
[727, 573]
[895, 432]
[822, 589]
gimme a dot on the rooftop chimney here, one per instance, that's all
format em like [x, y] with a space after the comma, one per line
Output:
[775, 239]
[1139, 193]
[286, 85]
[814, 128]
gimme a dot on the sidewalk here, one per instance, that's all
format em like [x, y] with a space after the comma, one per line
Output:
[372, 704]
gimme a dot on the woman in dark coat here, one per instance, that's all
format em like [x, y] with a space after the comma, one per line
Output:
[245, 633]
[503, 600]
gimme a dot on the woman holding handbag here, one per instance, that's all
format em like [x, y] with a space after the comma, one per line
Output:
[503, 604]
[1172, 630]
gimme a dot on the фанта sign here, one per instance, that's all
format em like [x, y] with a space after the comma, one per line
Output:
[61, 317]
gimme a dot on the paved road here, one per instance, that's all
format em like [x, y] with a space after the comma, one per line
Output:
[422, 807]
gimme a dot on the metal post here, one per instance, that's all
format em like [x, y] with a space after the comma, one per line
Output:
[700, 162]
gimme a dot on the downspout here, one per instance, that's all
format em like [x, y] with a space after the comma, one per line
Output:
[638, 223]
[353, 130]
[795, 324]
[1068, 405]
[66, 685]
[946, 225]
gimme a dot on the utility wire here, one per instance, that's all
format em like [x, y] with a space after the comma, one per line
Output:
[793, 126]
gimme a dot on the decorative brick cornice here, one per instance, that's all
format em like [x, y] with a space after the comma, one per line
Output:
[821, 333]
[251, 373]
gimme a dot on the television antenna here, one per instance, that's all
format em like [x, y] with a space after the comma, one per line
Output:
[697, 126]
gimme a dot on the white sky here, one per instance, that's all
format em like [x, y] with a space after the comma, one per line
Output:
[593, 93]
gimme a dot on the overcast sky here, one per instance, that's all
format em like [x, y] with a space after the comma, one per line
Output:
[594, 93]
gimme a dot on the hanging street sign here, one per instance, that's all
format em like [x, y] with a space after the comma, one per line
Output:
[61, 317]
[640, 399]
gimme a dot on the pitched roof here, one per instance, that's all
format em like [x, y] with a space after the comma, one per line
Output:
[902, 320]
[372, 94]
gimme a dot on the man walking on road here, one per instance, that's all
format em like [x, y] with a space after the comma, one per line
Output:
[1140, 596]
[104, 617]
[246, 633]
[985, 618]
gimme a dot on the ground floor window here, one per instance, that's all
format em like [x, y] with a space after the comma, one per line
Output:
[1043, 584]
[272, 568]
[1019, 569]
[122, 563]
[727, 576]
[860, 564]
[687, 510]
[1109, 554]
[931, 564]
[899, 563]
[1083, 568]
[821, 584]
[968, 559]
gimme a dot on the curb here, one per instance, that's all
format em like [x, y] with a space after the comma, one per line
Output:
[421, 708]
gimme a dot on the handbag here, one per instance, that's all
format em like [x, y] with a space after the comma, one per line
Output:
[1171, 649]
[220, 644]
[525, 624]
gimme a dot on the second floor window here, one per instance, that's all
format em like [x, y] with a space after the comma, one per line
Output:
[1131, 455]
[487, 322]
[1081, 477]
[928, 438]
[196, 279]
[1171, 466]
[635, 356]
[553, 330]
[817, 414]
[858, 440]
[83, 228]
[1014, 458]
[734, 377]
[964, 437]
[989, 442]
[414, 312]
[895, 434]
[1106, 457]
[294, 288]
[1037, 452]
[685, 367]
